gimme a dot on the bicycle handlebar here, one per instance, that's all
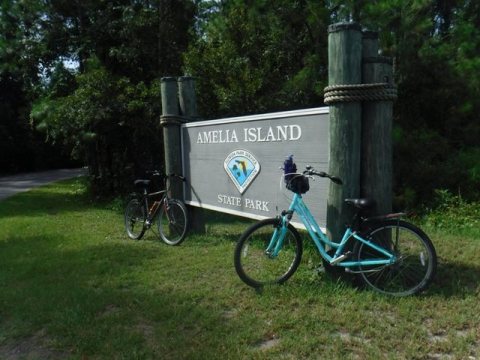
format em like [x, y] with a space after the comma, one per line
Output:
[176, 175]
[153, 173]
[310, 171]
[158, 173]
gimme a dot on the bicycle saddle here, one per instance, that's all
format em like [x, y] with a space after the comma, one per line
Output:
[361, 203]
[142, 183]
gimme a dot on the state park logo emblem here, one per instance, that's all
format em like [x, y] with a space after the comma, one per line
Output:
[242, 168]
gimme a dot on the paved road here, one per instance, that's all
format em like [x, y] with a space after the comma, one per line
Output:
[10, 185]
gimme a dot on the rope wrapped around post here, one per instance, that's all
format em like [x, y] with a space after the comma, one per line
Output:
[166, 120]
[360, 92]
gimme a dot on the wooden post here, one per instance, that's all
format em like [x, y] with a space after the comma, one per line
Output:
[344, 67]
[187, 98]
[188, 110]
[376, 161]
[170, 121]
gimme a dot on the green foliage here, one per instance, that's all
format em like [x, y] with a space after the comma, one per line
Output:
[435, 46]
[453, 214]
[259, 56]
[264, 56]
[20, 66]
[111, 121]
[107, 111]
[247, 57]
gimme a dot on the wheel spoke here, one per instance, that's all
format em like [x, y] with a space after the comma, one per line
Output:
[134, 219]
[255, 266]
[415, 264]
[172, 222]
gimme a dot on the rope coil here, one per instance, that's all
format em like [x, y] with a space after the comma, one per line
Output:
[360, 92]
[166, 120]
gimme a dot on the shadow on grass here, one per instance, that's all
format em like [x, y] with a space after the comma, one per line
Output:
[96, 298]
[452, 279]
[456, 280]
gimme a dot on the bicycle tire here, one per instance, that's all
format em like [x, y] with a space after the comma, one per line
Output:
[417, 259]
[172, 222]
[135, 217]
[258, 269]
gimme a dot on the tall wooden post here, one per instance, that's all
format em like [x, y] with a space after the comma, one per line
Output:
[188, 110]
[170, 121]
[187, 98]
[344, 67]
[376, 162]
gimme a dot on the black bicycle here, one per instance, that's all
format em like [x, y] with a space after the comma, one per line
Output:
[146, 207]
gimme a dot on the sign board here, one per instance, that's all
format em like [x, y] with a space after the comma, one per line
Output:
[233, 165]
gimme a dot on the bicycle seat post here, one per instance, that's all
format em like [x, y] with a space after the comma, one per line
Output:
[356, 219]
[359, 205]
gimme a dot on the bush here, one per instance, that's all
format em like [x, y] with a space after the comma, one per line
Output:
[425, 161]
[110, 122]
[453, 214]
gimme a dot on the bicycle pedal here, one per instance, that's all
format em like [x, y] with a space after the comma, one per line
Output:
[340, 258]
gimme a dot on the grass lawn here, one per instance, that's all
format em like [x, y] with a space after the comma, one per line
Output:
[73, 286]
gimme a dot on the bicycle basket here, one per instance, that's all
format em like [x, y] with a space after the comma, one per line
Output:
[298, 184]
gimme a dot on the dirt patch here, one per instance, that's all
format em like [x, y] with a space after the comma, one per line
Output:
[269, 342]
[33, 347]
[148, 332]
[230, 314]
[109, 310]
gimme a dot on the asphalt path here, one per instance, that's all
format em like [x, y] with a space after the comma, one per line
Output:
[11, 185]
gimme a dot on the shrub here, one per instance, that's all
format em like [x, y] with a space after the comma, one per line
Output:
[454, 214]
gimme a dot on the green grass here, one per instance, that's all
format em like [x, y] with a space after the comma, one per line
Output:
[73, 286]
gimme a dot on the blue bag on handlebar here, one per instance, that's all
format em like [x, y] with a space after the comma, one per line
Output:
[295, 182]
[289, 167]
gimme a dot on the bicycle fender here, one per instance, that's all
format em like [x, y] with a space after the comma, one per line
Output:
[390, 216]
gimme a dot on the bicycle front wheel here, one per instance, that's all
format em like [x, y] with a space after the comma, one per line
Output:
[172, 222]
[416, 261]
[135, 217]
[258, 268]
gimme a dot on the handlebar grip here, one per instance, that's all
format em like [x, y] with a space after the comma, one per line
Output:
[336, 180]
[176, 175]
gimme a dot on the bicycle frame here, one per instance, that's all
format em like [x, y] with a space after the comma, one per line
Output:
[153, 209]
[321, 240]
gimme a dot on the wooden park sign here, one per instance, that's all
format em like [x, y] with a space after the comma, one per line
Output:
[233, 165]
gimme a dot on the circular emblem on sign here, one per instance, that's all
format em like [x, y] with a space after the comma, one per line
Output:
[242, 167]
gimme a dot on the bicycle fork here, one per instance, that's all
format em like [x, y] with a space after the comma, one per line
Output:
[170, 216]
[151, 213]
[278, 236]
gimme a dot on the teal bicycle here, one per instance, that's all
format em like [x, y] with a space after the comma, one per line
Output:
[389, 255]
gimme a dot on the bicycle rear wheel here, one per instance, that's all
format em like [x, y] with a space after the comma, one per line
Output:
[416, 259]
[257, 268]
[135, 217]
[172, 222]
